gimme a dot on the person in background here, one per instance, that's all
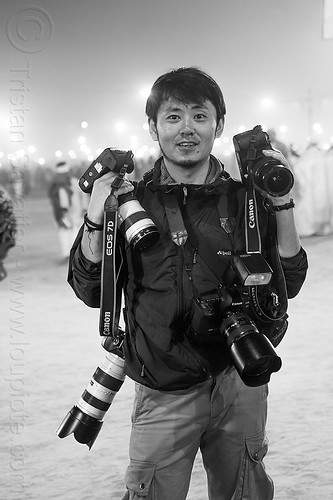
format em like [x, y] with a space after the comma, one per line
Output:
[189, 396]
[65, 198]
[8, 229]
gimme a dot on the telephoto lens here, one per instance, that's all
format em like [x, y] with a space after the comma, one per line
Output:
[252, 353]
[134, 223]
[86, 418]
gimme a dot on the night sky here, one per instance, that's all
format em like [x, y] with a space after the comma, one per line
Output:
[68, 61]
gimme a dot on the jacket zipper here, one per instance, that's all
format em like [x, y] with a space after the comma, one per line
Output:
[202, 369]
[185, 195]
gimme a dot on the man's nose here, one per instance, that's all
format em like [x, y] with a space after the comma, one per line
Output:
[188, 126]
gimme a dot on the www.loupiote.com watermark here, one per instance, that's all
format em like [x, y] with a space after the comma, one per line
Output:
[29, 31]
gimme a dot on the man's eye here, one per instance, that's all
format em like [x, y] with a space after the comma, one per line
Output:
[173, 117]
[200, 116]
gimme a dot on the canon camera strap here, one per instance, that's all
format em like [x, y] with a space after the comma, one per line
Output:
[111, 285]
[252, 231]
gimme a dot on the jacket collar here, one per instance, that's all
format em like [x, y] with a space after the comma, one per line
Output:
[161, 175]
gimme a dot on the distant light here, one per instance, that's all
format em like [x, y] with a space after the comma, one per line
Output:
[152, 151]
[145, 126]
[225, 140]
[90, 157]
[81, 139]
[20, 153]
[58, 153]
[267, 102]
[72, 154]
[85, 149]
[139, 153]
[316, 127]
[283, 129]
[2, 154]
[41, 161]
[326, 146]
[145, 92]
[217, 141]
[120, 126]
[32, 149]
[98, 151]
[84, 124]
[241, 129]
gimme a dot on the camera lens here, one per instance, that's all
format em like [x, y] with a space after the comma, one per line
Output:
[85, 419]
[257, 367]
[105, 383]
[134, 223]
[252, 354]
[274, 178]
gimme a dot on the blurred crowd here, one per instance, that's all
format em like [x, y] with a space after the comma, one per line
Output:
[312, 192]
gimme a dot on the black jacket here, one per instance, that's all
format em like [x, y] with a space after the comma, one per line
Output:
[161, 282]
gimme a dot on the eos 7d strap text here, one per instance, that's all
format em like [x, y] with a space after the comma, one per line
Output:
[111, 286]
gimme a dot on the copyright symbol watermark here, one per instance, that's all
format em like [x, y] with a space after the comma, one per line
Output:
[30, 29]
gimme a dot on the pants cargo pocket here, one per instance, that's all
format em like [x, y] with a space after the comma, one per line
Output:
[257, 485]
[139, 479]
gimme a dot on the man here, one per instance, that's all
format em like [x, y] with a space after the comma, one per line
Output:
[188, 393]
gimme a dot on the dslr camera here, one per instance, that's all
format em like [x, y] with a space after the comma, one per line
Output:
[223, 315]
[132, 220]
[268, 175]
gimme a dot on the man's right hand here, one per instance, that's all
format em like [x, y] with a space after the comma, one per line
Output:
[100, 192]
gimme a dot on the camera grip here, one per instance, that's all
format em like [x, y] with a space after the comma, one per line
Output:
[109, 159]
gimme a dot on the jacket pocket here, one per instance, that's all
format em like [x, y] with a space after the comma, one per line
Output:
[139, 479]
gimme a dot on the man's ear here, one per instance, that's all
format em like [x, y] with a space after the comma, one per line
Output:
[153, 129]
[219, 128]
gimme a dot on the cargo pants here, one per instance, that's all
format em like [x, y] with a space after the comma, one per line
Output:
[223, 418]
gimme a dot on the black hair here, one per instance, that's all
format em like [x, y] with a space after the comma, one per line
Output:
[186, 85]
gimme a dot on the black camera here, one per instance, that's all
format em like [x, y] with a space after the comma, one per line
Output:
[267, 173]
[109, 159]
[222, 315]
[132, 220]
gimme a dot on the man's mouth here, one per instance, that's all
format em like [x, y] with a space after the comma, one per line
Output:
[187, 144]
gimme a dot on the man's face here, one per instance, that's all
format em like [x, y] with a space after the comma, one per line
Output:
[186, 132]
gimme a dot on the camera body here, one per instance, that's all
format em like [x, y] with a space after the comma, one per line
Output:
[109, 159]
[132, 220]
[210, 309]
[268, 175]
[223, 315]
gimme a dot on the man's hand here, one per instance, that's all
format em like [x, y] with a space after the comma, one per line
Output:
[100, 192]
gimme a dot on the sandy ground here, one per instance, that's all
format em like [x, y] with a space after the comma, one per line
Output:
[50, 347]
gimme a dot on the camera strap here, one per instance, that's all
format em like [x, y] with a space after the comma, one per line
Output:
[252, 231]
[175, 219]
[112, 261]
[111, 289]
[181, 234]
